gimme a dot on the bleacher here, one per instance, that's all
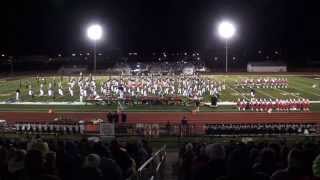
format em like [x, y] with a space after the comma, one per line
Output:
[93, 158]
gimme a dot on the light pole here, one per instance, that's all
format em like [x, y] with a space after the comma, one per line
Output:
[226, 55]
[226, 30]
[94, 56]
[11, 64]
[94, 33]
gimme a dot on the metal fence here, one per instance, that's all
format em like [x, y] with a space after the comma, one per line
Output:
[153, 168]
[155, 130]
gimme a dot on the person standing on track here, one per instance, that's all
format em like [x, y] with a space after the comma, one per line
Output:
[196, 100]
[120, 98]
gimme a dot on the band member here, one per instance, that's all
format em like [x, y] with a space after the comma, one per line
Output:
[44, 128]
[17, 95]
[71, 91]
[264, 105]
[18, 127]
[306, 105]
[60, 91]
[81, 98]
[30, 92]
[41, 90]
[238, 104]
[260, 105]
[120, 98]
[85, 93]
[50, 92]
[252, 93]
[243, 105]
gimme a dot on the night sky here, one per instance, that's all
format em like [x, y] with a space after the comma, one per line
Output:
[52, 26]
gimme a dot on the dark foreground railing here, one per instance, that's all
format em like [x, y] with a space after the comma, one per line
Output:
[153, 168]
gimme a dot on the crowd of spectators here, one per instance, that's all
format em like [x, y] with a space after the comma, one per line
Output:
[250, 161]
[36, 158]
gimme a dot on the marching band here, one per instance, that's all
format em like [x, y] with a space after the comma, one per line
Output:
[192, 87]
[279, 105]
[131, 86]
[265, 82]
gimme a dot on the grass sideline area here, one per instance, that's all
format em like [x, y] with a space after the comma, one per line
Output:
[300, 86]
[106, 108]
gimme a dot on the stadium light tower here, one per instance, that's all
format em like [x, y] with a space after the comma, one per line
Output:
[226, 31]
[94, 33]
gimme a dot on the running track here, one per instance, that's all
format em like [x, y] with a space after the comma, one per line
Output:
[173, 117]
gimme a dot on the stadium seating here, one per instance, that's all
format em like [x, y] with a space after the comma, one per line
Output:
[254, 161]
[40, 159]
[47, 159]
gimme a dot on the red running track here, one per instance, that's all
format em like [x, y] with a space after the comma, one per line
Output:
[173, 117]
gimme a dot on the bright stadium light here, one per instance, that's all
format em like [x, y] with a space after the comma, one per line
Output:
[94, 33]
[226, 30]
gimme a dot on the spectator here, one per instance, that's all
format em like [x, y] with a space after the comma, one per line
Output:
[42, 147]
[297, 167]
[215, 166]
[16, 165]
[110, 169]
[238, 164]
[147, 147]
[91, 168]
[34, 164]
[62, 159]
[316, 167]
[50, 163]
[137, 152]
[266, 162]
[186, 164]
[68, 159]
[3, 161]
[123, 159]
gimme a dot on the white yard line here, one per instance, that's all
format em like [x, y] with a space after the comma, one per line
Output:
[266, 94]
[256, 90]
[226, 103]
[238, 93]
[288, 93]
[301, 84]
[296, 87]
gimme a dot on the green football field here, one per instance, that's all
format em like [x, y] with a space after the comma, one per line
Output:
[300, 86]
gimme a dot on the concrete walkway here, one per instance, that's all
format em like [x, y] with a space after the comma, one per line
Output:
[172, 158]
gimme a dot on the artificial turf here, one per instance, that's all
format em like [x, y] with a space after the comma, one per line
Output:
[300, 86]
